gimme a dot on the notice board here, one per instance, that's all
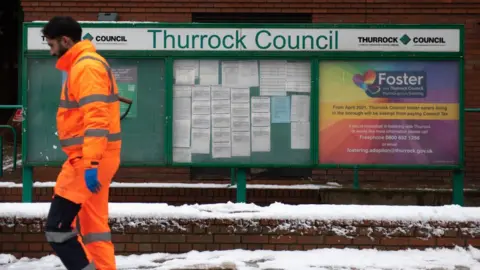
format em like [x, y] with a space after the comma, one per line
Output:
[143, 81]
[241, 112]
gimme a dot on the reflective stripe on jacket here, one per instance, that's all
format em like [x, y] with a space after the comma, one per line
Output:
[88, 117]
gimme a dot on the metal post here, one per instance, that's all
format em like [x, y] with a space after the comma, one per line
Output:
[458, 194]
[356, 180]
[27, 179]
[241, 186]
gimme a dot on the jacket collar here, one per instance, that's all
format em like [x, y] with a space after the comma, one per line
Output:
[66, 61]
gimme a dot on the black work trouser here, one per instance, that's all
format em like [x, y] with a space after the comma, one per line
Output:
[63, 238]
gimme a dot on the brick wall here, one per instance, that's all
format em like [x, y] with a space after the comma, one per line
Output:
[181, 196]
[24, 237]
[326, 11]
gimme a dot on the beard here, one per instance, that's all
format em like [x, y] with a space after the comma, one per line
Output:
[61, 51]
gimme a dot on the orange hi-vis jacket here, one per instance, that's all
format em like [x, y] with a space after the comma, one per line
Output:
[88, 117]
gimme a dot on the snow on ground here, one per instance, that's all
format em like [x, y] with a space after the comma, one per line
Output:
[451, 213]
[8, 162]
[319, 259]
[185, 185]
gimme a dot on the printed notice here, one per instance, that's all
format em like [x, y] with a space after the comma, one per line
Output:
[221, 135]
[230, 70]
[298, 77]
[240, 95]
[241, 144]
[281, 109]
[240, 73]
[300, 111]
[127, 87]
[182, 91]
[273, 75]
[182, 108]
[209, 72]
[185, 76]
[221, 150]
[300, 135]
[221, 120]
[240, 109]
[220, 92]
[200, 141]
[261, 104]
[200, 92]
[260, 119]
[240, 123]
[221, 106]
[181, 133]
[248, 73]
[187, 64]
[200, 121]
[260, 139]
[201, 107]
[182, 155]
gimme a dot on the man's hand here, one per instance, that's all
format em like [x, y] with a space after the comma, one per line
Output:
[91, 179]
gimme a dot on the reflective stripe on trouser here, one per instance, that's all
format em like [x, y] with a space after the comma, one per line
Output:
[89, 238]
[62, 238]
[92, 219]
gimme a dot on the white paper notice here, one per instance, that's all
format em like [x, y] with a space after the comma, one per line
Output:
[184, 76]
[200, 141]
[273, 75]
[240, 95]
[261, 104]
[300, 111]
[187, 64]
[230, 71]
[200, 121]
[220, 92]
[240, 109]
[221, 135]
[260, 119]
[181, 133]
[240, 123]
[182, 108]
[240, 73]
[209, 72]
[248, 73]
[221, 106]
[300, 135]
[201, 107]
[298, 77]
[182, 91]
[221, 150]
[221, 120]
[240, 144]
[182, 155]
[200, 92]
[260, 139]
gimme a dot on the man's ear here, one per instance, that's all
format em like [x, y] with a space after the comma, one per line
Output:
[66, 42]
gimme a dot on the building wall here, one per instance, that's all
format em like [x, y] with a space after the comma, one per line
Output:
[326, 11]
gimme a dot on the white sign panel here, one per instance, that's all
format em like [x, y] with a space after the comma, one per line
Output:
[264, 39]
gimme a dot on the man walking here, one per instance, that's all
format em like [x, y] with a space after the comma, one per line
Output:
[88, 125]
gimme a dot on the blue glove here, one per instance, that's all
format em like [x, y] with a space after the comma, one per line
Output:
[91, 179]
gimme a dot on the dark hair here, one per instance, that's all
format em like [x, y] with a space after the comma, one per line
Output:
[60, 26]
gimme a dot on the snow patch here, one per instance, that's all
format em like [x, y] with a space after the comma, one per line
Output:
[275, 211]
[182, 185]
[319, 259]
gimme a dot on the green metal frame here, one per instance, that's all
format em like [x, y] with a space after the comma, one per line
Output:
[314, 56]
